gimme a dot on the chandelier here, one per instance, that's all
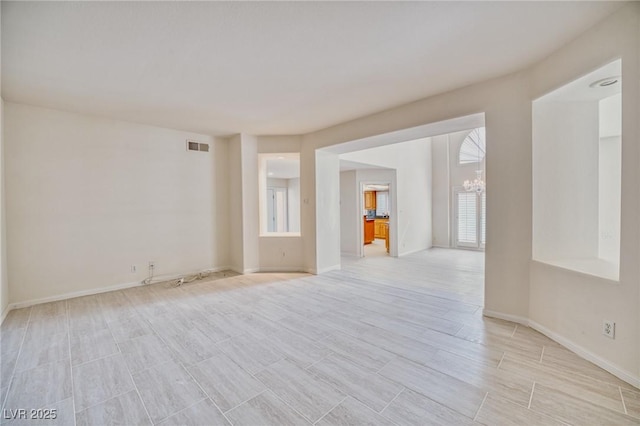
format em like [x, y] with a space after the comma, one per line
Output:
[476, 138]
[477, 185]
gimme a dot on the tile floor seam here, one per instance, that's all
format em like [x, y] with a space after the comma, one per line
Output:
[393, 399]
[286, 403]
[514, 331]
[501, 359]
[317, 362]
[249, 399]
[331, 409]
[203, 391]
[541, 355]
[105, 400]
[15, 366]
[395, 356]
[135, 386]
[624, 406]
[96, 359]
[533, 389]
[73, 391]
[180, 411]
[480, 407]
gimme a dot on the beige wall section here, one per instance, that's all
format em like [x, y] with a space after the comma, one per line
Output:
[236, 246]
[4, 280]
[569, 305]
[88, 197]
[350, 213]
[441, 191]
[243, 203]
[327, 179]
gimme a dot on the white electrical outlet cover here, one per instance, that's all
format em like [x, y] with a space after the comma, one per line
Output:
[609, 328]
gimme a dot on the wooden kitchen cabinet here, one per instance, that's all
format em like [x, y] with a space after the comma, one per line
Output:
[369, 232]
[369, 200]
[381, 227]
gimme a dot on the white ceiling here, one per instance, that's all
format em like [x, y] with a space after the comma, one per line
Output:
[268, 68]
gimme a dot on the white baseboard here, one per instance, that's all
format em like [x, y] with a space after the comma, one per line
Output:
[507, 317]
[4, 314]
[620, 373]
[407, 253]
[348, 254]
[73, 295]
[282, 269]
[327, 269]
[90, 292]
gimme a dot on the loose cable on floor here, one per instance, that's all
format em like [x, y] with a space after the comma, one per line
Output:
[176, 282]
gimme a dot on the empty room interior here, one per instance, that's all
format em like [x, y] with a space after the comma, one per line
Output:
[332, 213]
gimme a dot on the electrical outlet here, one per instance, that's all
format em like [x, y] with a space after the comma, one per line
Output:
[133, 269]
[609, 329]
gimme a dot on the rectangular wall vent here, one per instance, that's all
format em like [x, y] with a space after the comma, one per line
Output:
[195, 146]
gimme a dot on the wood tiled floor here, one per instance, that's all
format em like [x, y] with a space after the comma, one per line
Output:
[383, 341]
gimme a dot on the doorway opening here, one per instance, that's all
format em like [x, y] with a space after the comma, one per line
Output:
[376, 209]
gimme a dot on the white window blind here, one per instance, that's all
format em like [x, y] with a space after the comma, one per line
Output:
[382, 203]
[483, 219]
[467, 218]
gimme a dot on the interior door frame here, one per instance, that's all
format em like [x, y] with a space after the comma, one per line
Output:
[361, 213]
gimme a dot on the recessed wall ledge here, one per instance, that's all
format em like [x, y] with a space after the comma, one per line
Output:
[281, 235]
[589, 267]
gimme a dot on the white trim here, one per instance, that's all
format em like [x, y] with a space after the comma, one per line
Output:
[5, 312]
[99, 290]
[282, 269]
[406, 253]
[507, 317]
[348, 254]
[323, 270]
[588, 355]
[73, 294]
[632, 379]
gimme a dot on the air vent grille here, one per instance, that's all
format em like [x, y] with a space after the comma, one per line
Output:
[196, 146]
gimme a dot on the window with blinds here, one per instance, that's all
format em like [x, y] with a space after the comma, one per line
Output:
[470, 223]
[467, 218]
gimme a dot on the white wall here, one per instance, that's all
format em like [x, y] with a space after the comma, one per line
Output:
[412, 161]
[349, 212]
[565, 180]
[4, 280]
[293, 197]
[327, 181]
[441, 192]
[236, 246]
[609, 178]
[568, 304]
[87, 198]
